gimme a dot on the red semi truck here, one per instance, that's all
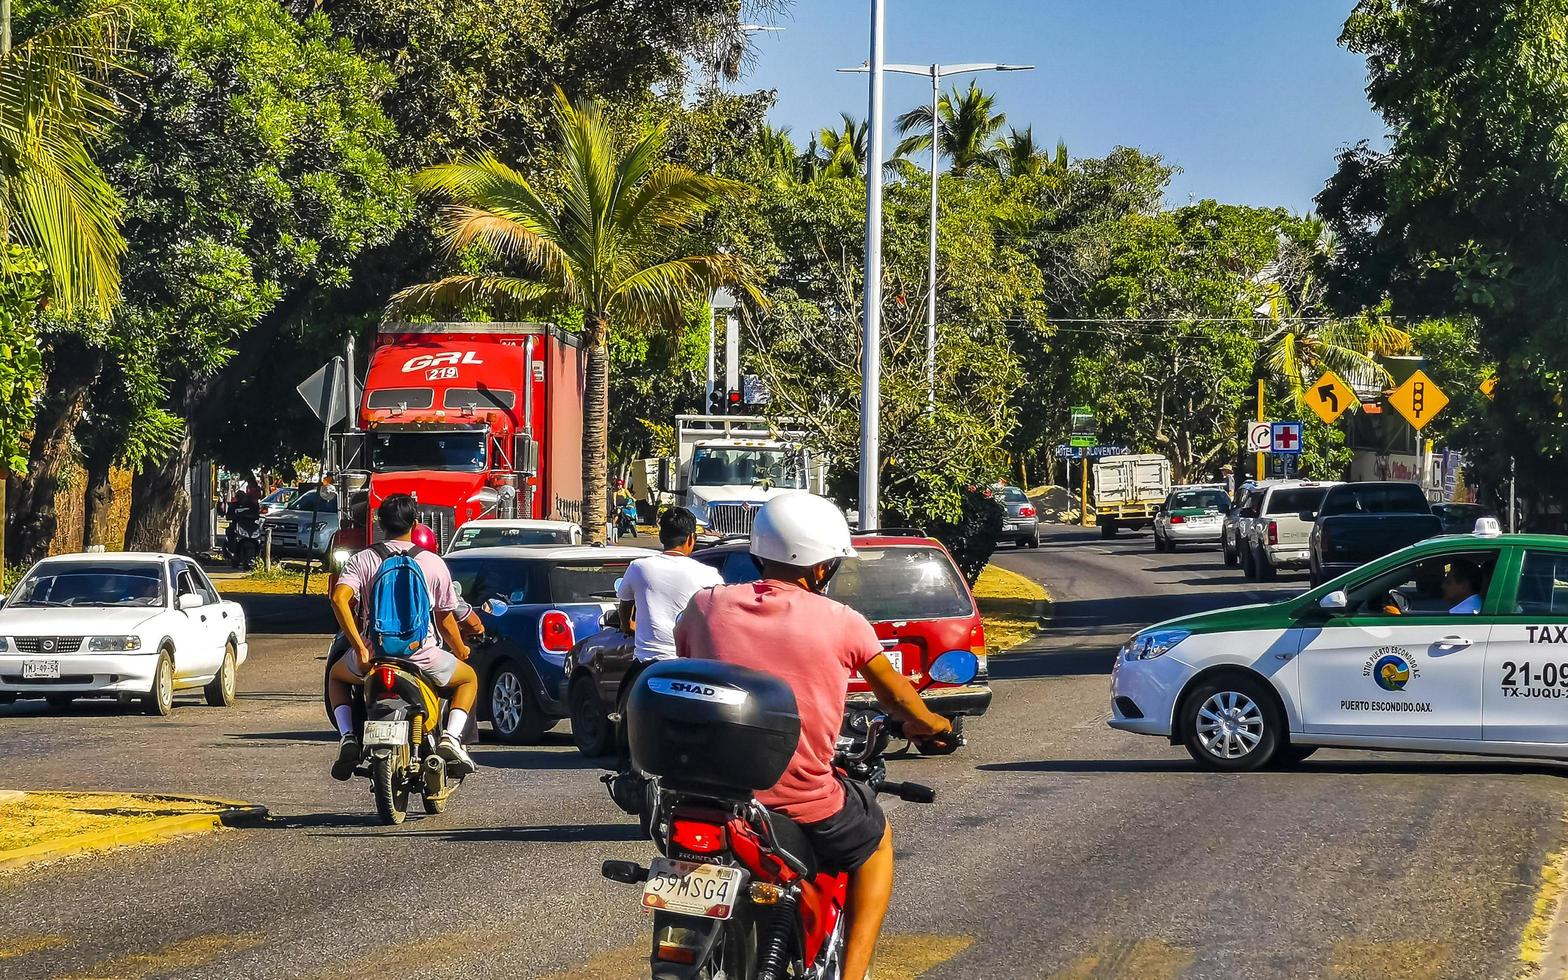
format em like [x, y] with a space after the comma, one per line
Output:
[476, 420]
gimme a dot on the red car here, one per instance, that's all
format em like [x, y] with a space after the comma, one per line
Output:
[907, 585]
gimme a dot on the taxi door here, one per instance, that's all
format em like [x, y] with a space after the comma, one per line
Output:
[1525, 690]
[1418, 674]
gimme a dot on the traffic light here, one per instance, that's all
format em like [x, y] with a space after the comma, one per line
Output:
[735, 405]
[715, 402]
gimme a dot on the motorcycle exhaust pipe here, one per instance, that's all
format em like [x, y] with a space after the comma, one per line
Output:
[435, 774]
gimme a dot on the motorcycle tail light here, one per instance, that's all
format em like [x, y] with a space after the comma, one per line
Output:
[1273, 532]
[697, 836]
[555, 632]
[387, 676]
[677, 944]
[1178, 519]
[764, 893]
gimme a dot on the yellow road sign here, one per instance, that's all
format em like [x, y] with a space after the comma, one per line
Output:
[1489, 387]
[1330, 397]
[1419, 400]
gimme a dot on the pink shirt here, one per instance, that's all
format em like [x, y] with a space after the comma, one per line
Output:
[807, 640]
[360, 571]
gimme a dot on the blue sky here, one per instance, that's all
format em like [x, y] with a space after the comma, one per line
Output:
[1252, 98]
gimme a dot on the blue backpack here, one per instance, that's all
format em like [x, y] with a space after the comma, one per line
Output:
[400, 614]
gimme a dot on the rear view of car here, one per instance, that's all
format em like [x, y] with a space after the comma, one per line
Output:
[1278, 539]
[1021, 523]
[1191, 515]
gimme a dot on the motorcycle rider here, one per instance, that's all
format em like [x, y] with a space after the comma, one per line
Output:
[783, 625]
[398, 519]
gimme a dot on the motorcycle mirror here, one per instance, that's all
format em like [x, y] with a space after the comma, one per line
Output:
[617, 589]
[495, 606]
[955, 667]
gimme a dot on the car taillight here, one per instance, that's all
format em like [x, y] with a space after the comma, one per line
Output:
[555, 632]
[1273, 532]
[1178, 519]
[1026, 511]
[697, 836]
[977, 644]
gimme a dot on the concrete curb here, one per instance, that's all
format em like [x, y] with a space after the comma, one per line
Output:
[1040, 610]
[224, 813]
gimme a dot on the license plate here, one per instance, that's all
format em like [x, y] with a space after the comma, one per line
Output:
[688, 888]
[381, 733]
[43, 670]
[896, 658]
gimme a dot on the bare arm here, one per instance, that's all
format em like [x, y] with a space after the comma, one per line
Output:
[343, 611]
[627, 611]
[447, 625]
[899, 698]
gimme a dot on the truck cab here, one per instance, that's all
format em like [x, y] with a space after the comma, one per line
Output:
[728, 466]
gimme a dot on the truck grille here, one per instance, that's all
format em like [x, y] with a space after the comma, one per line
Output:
[731, 518]
[48, 644]
[442, 520]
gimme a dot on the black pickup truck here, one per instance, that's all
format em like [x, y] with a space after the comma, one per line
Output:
[1360, 522]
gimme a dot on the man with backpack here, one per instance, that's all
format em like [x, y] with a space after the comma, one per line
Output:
[405, 596]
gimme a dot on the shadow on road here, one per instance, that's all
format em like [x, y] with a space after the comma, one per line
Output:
[290, 615]
[597, 833]
[1047, 662]
[1343, 767]
[319, 735]
[516, 758]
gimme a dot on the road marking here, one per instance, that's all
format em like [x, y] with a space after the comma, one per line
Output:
[1545, 926]
[903, 957]
[1388, 959]
[1113, 959]
[30, 944]
[180, 957]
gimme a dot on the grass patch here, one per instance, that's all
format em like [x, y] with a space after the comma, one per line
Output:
[39, 818]
[279, 581]
[1010, 606]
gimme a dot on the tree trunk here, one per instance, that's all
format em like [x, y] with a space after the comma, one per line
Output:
[160, 503]
[96, 528]
[596, 428]
[52, 451]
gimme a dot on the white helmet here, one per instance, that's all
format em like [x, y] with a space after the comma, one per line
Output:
[800, 529]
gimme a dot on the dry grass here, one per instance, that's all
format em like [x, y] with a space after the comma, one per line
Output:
[1010, 606]
[38, 818]
[275, 582]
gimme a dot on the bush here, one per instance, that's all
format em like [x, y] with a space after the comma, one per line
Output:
[973, 539]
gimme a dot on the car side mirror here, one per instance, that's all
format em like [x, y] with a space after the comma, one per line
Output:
[190, 600]
[1335, 601]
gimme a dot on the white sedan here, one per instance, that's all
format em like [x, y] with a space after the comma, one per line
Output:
[129, 625]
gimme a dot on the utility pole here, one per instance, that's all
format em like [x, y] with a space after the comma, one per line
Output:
[936, 74]
[871, 340]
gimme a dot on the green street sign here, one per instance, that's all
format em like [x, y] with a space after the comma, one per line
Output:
[1083, 442]
[1084, 430]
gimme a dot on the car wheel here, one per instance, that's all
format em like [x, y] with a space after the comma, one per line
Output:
[1290, 755]
[6, 697]
[1265, 569]
[1108, 529]
[1230, 723]
[1248, 570]
[159, 701]
[1034, 542]
[591, 728]
[1230, 556]
[220, 690]
[1158, 544]
[514, 712]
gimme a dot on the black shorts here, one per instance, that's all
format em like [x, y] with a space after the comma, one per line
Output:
[847, 839]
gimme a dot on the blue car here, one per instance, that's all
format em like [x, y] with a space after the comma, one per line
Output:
[553, 597]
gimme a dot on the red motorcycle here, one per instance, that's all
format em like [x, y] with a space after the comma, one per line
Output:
[738, 893]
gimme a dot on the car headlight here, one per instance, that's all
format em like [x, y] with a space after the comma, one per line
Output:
[1155, 643]
[114, 644]
[340, 558]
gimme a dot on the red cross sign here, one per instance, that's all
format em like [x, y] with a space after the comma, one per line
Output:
[1287, 437]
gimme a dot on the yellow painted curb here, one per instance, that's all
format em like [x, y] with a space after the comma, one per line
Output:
[223, 813]
[999, 588]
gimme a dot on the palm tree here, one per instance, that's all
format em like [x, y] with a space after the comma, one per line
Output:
[844, 150]
[602, 248]
[1019, 155]
[54, 200]
[1297, 352]
[968, 123]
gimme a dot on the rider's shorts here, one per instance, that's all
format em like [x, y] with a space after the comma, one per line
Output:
[847, 839]
[438, 663]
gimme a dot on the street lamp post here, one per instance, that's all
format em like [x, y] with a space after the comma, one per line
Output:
[871, 339]
[936, 73]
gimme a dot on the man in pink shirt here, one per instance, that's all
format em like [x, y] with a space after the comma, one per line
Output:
[398, 516]
[783, 625]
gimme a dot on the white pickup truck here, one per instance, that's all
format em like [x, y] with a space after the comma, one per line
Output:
[1277, 537]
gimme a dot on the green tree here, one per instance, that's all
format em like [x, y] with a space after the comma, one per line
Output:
[969, 121]
[843, 149]
[1018, 155]
[604, 249]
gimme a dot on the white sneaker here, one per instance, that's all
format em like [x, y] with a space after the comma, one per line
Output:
[458, 761]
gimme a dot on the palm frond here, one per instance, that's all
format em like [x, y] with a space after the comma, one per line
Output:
[457, 293]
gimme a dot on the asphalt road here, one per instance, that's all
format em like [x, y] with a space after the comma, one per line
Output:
[1058, 847]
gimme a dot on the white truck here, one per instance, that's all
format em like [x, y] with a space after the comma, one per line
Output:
[728, 466]
[1128, 490]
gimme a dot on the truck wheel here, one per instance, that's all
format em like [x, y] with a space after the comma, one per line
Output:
[1265, 568]
[1108, 529]
[1248, 569]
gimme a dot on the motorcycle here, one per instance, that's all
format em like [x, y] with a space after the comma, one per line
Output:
[626, 519]
[737, 893]
[242, 540]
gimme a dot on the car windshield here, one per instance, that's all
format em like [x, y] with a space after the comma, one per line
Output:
[81, 583]
[278, 497]
[482, 579]
[315, 501]
[585, 581]
[1298, 501]
[493, 537]
[718, 466]
[1013, 495]
[1376, 498]
[901, 583]
[459, 451]
[1199, 500]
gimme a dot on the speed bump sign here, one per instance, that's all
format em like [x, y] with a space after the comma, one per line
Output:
[1419, 400]
[1330, 397]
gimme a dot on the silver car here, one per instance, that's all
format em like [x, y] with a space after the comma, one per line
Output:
[1238, 521]
[1191, 515]
[1021, 523]
[304, 527]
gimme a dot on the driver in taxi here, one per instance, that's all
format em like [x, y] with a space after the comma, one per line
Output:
[1462, 588]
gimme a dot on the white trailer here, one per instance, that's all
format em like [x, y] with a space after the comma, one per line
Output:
[1128, 490]
[727, 466]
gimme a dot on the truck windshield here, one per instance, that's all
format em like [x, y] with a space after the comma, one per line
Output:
[719, 466]
[460, 451]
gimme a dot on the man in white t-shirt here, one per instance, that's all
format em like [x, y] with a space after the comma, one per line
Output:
[655, 590]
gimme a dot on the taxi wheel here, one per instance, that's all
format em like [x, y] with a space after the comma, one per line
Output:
[1230, 723]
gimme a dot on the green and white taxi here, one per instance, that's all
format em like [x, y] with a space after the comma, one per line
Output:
[1450, 645]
